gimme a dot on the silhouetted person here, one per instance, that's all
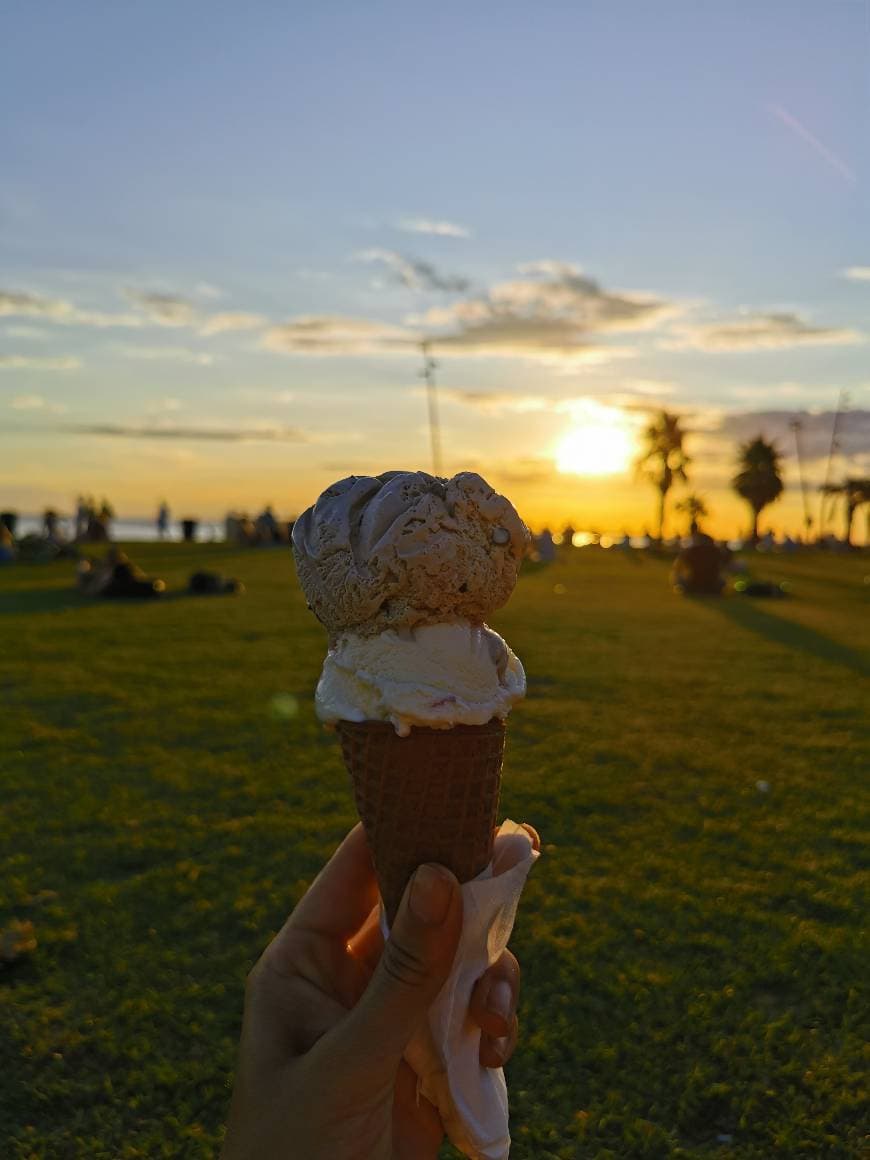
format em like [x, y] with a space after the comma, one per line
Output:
[697, 570]
[7, 545]
[162, 520]
[116, 578]
[213, 584]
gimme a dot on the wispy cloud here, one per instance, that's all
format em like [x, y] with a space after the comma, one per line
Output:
[24, 362]
[414, 273]
[232, 320]
[332, 334]
[32, 333]
[162, 309]
[857, 273]
[261, 433]
[36, 403]
[207, 290]
[759, 332]
[20, 304]
[557, 314]
[819, 147]
[815, 434]
[178, 354]
[433, 226]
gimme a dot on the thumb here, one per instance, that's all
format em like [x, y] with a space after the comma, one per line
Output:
[413, 968]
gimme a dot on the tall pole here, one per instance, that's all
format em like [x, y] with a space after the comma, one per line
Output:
[797, 427]
[428, 373]
[842, 402]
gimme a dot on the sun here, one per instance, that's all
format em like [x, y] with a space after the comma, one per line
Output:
[600, 442]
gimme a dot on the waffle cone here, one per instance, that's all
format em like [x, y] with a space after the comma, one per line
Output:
[429, 797]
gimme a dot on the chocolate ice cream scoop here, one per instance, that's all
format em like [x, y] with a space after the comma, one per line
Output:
[406, 548]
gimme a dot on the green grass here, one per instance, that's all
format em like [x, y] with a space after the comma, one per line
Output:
[691, 945]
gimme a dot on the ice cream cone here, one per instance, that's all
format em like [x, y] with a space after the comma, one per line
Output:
[431, 796]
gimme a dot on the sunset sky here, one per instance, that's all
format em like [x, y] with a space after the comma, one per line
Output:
[225, 230]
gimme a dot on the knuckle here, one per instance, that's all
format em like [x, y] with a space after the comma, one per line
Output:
[404, 965]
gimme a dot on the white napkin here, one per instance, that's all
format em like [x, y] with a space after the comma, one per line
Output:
[472, 1100]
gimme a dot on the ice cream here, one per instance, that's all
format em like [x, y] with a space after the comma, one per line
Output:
[435, 674]
[406, 548]
[403, 569]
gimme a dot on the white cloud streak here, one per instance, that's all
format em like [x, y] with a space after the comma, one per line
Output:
[434, 227]
[23, 362]
[759, 332]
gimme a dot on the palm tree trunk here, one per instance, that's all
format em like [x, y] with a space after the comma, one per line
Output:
[662, 494]
[755, 514]
[850, 515]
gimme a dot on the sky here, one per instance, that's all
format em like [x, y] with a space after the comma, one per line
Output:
[225, 230]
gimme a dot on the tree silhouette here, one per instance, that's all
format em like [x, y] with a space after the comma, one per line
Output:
[855, 492]
[695, 508]
[663, 458]
[759, 480]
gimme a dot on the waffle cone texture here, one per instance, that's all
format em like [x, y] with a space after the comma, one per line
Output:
[429, 797]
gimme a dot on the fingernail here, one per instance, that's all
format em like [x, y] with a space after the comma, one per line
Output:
[431, 892]
[500, 999]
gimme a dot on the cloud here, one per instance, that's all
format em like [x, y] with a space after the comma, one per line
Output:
[162, 309]
[495, 402]
[331, 334]
[414, 273]
[815, 435]
[857, 273]
[24, 305]
[232, 320]
[555, 315]
[31, 332]
[207, 290]
[257, 433]
[179, 354]
[759, 332]
[22, 362]
[36, 403]
[440, 229]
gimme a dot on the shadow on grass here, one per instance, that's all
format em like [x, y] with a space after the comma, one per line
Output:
[30, 600]
[795, 636]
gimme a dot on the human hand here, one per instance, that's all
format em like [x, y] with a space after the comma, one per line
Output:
[329, 1010]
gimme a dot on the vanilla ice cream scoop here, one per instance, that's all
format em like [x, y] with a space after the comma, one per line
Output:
[435, 675]
[406, 548]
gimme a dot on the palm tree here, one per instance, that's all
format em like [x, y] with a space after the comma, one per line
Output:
[663, 459]
[855, 492]
[695, 508]
[759, 480]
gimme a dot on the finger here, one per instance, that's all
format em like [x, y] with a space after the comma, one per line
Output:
[494, 997]
[342, 895]
[534, 835]
[416, 961]
[495, 1052]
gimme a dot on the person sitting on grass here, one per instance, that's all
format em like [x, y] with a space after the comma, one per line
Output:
[213, 584]
[115, 577]
[7, 545]
[697, 571]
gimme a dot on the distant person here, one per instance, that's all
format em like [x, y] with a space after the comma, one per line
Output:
[105, 516]
[116, 578]
[83, 517]
[568, 536]
[697, 570]
[7, 546]
[162, 520]
[213, 584]
[545, 547]
[49, 525]
[266, 526]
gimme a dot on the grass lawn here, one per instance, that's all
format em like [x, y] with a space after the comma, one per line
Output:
[690, 942]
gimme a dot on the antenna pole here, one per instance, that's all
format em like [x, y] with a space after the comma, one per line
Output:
[797, 427]
[428, 374]
[842, 402]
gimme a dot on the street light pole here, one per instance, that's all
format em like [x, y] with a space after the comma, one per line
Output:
[428, 374]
